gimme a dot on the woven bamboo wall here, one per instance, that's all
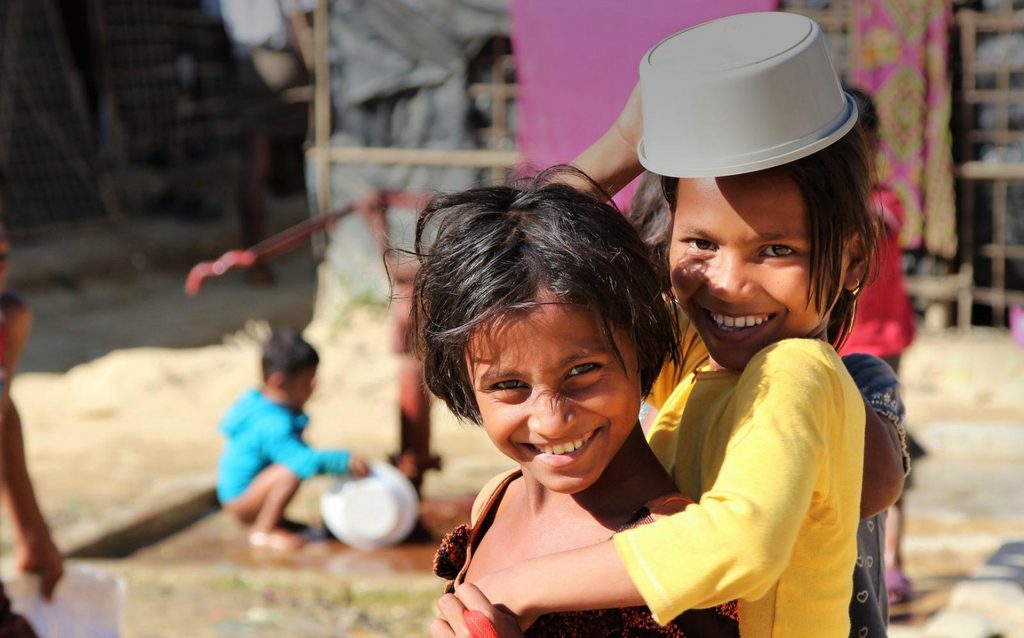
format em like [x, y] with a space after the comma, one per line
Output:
[47, 141]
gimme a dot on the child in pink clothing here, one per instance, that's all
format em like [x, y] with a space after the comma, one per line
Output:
[885, 324]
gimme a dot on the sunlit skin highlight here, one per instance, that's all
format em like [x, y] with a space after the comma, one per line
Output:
[740, 264]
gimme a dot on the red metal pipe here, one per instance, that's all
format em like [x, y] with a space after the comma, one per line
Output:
[291, 238]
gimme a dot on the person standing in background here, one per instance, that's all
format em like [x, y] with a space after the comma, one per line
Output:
[270, 65]
[34, 549]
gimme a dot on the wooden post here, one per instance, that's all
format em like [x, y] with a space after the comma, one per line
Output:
[322, 104]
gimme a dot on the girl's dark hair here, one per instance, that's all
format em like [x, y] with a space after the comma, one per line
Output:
[651, 217]
[285, 351]
[867, 121]
[488, 253]
[836, 186]
[867, 114]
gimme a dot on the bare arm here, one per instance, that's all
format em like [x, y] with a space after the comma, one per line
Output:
[538, 586]
[611, 160]
[36, 551]
[884, 462]
[883, 465]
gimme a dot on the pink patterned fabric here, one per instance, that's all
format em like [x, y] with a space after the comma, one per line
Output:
[902, 59]
[578, 59]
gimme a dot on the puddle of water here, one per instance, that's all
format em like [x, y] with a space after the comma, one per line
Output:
[219, 539]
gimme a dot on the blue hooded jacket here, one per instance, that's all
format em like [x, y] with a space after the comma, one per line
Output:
[260, 433]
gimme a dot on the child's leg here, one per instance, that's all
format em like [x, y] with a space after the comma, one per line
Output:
[900, 589]
[262, 505]
[893, 559]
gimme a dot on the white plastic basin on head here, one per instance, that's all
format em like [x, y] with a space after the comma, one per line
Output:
[740, 94]
[372, 512]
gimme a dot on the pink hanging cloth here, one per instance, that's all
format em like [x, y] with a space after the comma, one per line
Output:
[577, 60]
[902, 60]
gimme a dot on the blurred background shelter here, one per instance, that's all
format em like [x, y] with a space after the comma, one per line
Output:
[410, 97]
[417, 96]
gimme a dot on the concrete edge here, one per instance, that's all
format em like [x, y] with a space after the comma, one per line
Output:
[119, 532]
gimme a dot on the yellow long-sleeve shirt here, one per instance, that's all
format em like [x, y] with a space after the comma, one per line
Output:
[775, 454]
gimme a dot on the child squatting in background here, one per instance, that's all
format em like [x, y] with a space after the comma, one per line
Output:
[538, 315]
[760, 419]
[265, 459]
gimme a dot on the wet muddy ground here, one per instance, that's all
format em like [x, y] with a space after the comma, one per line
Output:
[205, 580]
[217, 539]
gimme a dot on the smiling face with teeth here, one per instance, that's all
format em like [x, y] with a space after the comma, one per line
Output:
[554, 395]
[740, 264]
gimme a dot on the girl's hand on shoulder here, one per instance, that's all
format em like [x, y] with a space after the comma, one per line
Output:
[469, 613]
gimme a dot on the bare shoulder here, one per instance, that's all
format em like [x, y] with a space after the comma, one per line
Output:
[488, 491]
